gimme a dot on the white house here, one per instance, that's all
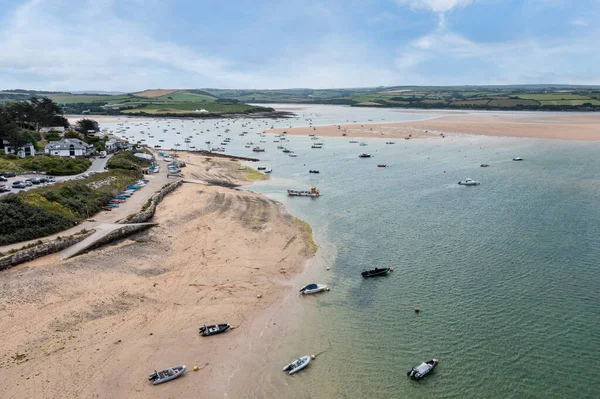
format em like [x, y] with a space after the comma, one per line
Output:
[28, 150]
[68, 148]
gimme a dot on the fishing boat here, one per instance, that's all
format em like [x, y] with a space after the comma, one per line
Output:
[158, 377]
[214, 329]
[364, 155]
[258, 149]
[313, 288]
[304, 193]
[313, 171]
[297, 365]
[469, 182]
[423, 369]
[376, 272]
[382, 165]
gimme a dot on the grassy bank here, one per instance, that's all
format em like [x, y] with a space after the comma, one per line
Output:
[312, 245]
[48, 210]
[51, 165]
[127, 161]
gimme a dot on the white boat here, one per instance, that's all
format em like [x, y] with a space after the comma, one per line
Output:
[268, 170]
[517, 159]
[469, 182]
[158, 377]
[313, 288]
[297, 365]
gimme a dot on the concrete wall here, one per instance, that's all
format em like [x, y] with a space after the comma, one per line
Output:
[47, 248]
[147, 214]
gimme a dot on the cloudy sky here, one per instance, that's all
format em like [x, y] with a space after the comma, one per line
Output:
[128, 45]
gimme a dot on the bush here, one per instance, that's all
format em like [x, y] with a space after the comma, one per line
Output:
[53, 165]
[126, 160]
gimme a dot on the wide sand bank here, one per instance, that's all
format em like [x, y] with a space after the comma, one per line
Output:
[96, 325]
[565, 127]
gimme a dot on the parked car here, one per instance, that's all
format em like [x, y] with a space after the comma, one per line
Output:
[28, 182]
[4, 188]
[36, 181]
[8, 174]
[19, 184]
[51, 179]
[43, 180]
[2, 178]
[85, 175]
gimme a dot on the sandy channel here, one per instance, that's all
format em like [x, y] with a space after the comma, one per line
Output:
[96, 325]
[584, 127]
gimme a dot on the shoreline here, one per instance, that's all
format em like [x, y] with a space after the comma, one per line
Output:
[218, 255]
[581, 127]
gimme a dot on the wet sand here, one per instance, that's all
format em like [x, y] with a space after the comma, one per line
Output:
[584, 127]
[96, 325]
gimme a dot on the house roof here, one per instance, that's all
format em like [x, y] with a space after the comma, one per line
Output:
[66, 145]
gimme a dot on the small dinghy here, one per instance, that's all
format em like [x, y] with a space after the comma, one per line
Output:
[158, 377]
[423, 369]
[214, 329]
[376, 272]
[297, 365]
[313, 288]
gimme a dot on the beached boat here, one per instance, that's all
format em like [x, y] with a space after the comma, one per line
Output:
[158, 377]
[423, 369]
[297, 365]
[517, 159]
[376, 272]
[469, 182]
[313, 288]
[313, 171]
[304, 193]
[364, 155]
[214, 329]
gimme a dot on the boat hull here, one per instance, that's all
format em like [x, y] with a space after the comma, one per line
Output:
[375, 272]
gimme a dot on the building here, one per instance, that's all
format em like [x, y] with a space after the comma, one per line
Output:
[28, 150]
[59, 129]
[114, 145]
[68, 148]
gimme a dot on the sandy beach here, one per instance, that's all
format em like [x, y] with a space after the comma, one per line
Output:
[96, 325]
[565, 127]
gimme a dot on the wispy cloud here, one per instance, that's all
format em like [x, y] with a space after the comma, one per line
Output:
[438, 6]
[579, 22]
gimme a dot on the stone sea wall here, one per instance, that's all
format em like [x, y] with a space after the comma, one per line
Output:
[148, 210]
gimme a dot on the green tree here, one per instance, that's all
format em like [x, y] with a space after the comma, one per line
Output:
[84, 125]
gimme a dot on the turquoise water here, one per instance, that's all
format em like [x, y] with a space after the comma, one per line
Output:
[506, 274]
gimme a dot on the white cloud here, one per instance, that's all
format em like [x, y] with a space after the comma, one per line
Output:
[579, 22]
[438, 6]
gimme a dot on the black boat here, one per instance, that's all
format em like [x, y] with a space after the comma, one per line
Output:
[313, 171]
[423, 369]
[262, 168]
[376, 272]
[214, 329]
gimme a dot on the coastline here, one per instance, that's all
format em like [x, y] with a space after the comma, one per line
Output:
[581, 127]
[116, 314]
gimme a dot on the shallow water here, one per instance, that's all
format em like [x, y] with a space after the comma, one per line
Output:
[505, 274]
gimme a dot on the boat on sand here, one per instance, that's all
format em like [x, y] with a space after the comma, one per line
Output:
[214, 329]
[297, 365]
[313, 288]
[158, 377]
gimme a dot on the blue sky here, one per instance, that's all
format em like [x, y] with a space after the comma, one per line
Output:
[128, 45]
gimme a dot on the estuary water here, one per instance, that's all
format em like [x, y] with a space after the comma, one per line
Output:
[506, 274]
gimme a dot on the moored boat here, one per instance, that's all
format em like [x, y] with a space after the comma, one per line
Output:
[158, 377]
[485, 165]
[517, 159]
[313, 288]
[214, 329]
[376, 272]
[382, 165]
[313, 171]
[364, 155]
[469, 182]
[258, 149]
[423, 369]
[304, 193]
[297, 365]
